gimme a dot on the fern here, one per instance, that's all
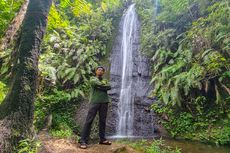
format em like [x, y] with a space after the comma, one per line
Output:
[80, 7]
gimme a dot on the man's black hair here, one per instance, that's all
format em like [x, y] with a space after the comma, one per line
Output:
[100, 67]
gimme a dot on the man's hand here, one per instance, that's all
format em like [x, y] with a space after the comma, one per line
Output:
[105, 82]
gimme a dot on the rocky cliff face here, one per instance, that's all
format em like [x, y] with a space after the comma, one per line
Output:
[143, 122]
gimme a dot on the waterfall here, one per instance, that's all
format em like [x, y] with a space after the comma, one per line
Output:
[156, 9]
[125, 106]
[129, 114]
[156, 6]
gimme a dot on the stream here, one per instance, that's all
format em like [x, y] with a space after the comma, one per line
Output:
[196, 147]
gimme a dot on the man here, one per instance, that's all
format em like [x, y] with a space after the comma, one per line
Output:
[99, 100]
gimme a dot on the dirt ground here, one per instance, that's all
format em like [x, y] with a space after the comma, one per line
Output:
[53, 145]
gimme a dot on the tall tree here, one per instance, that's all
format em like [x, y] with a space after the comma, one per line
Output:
[16, 111]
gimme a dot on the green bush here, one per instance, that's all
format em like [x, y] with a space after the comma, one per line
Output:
[61, 107]
[178, 123]
[67, 133]
[28, 146]
[156, 146]
[74, 44]
[206, 127]
[219, 134]
[8, 11]
[51, 103]
[188, 43]
[63, 121]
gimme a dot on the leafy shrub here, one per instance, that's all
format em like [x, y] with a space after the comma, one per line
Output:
[67, 133]
[8, 11]
[73, 46]
[60, 106]
[206, 127]
[28, 146]
[219, 134]
[156, 146]
[187, 45]
[63, 121]
[177, 123]
[54, 101]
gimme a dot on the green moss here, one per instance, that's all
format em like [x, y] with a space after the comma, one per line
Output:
[27, 88]
[104, 61]
[3, 90]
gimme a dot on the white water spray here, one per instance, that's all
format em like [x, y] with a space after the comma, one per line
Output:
[126, 106]
[156, 6]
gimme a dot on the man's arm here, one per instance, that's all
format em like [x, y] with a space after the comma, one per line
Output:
[99, 85]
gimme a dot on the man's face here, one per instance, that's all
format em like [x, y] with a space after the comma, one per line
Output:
[100, 71]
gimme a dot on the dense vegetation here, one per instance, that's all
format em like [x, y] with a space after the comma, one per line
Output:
[157, 146]
[188, 43]
[74, 45]
[8, 11]
[79, 35]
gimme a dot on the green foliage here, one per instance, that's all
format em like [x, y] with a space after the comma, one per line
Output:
[60, 12]
[206, 126]
[9, 9]
[55, 20]
[73, 46]
[53, 102]
[62, 126]
[66, 133]
[219, 135]
[3, 90]
[188, 44]
[28, 146]
[138, 145]
[110, 5]
[171, 9]
[184, 123]
[80, 7]
[184, 9]
[74, 7]
[78, 49]
[146, 13]
[156, 146]
[183, 71]
[202, 67]
[63, 121]
[61, 107]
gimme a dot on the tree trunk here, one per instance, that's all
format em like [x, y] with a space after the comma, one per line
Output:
[16, 111]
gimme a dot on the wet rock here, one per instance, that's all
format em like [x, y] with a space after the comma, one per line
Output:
[144, 118]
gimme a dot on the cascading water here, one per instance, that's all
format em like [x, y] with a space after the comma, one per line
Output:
[129, 114]
[125, 106]
[156, 6]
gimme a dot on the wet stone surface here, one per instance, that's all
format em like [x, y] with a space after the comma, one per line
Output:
[144, 118]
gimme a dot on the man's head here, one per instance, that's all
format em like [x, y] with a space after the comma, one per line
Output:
[100, 70]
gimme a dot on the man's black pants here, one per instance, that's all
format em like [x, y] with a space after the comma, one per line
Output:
[93, 109]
